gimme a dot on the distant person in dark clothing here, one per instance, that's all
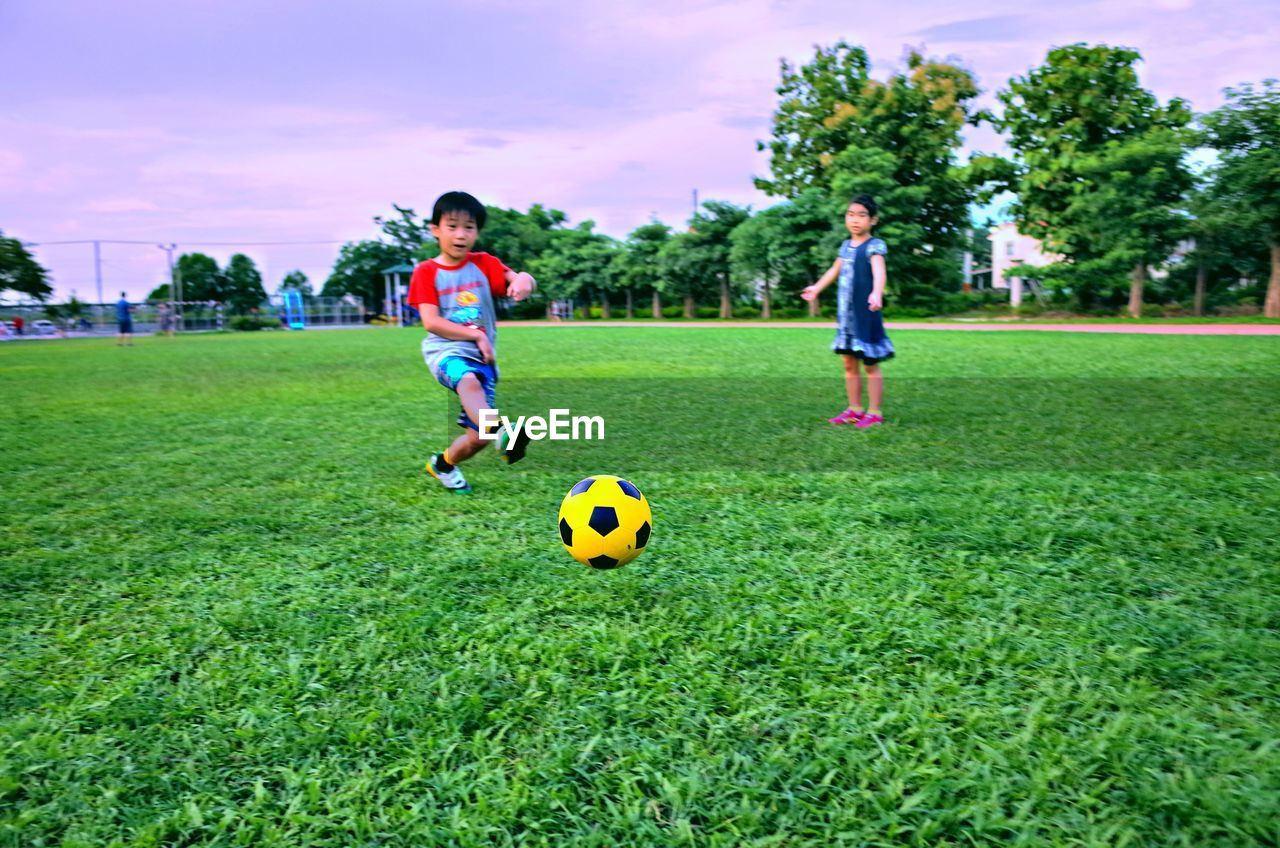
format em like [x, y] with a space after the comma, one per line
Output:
[18, 323]
[124, 317]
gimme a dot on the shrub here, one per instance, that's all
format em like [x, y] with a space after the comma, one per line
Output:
[746, 312]
[828, 310]
[786, 312]
[907, 312]
[707, 312]
[252, 322]
[673, 312]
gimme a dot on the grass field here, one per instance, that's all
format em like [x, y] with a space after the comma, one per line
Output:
[1041, 607]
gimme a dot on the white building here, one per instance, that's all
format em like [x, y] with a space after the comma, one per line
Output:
[1008, 248]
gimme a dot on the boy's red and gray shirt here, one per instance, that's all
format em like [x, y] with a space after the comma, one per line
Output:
[464, 294]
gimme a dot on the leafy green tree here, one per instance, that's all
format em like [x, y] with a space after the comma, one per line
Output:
[577, 264]
[518, 238]
[1246, 133]
[710, 231]
[20, 272]
[683, 273]
[244, 284]
[199, 278]
[1222, 253]
[358, 271]
[636, 266]
[411, 234]
[297, 280]
[1097, 168]
[785, 247]
[161, 293]
[838, 130]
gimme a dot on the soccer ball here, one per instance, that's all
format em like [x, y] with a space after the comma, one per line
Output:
[605, 522]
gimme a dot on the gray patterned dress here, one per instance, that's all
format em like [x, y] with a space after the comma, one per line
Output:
[860, 331]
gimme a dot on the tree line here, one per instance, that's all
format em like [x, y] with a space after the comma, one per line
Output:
[1100, 171]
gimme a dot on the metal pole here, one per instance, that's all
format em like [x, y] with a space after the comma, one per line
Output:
[175, 296]
[97, 274]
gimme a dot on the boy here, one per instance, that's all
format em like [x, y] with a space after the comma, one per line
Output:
[454, 295]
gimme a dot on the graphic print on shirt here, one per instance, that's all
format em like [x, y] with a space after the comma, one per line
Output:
[467, 310]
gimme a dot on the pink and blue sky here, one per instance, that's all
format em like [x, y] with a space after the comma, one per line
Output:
[246, 122]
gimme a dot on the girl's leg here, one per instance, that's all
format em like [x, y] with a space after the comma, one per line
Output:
[852, 382]
[875, 389]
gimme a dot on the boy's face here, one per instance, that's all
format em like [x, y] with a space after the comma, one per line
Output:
[456, 234]
[858, 220]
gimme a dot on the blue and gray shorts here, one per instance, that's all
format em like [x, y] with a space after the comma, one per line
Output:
[450, 371]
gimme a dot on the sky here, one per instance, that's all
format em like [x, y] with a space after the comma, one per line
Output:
[205, 123]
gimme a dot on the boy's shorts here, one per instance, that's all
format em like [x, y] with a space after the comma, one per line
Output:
[450, 371]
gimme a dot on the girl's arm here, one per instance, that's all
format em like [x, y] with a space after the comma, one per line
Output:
[812, 291]
[878, 275]
[446, 329]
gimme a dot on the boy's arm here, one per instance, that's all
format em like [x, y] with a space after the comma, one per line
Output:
[446, 329]
[519, 284]
[825, 280]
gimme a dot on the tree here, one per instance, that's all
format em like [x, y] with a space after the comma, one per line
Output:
[683, 273]
[20, 272]
[161, 293]
[199, 278]
[298, 281]
[578, 262]
[786, 246]
[1246, 133]
[710, 230]
[244, 284]
[1097, 169]
[838, 130]
[518, 238]
[411, 234]
[636, 265]
[358, 271]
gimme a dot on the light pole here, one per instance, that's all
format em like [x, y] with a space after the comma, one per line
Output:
[175, 285]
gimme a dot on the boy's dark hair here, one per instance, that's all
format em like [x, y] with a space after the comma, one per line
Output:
[458, 201]
[866, 202]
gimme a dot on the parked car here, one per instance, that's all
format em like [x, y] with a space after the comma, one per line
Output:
[43, 327]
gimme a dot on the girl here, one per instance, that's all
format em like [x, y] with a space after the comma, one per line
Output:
[860, 334]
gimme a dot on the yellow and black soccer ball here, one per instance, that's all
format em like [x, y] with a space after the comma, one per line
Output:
[605, 521]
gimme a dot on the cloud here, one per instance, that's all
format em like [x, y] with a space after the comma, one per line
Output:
[996, 28]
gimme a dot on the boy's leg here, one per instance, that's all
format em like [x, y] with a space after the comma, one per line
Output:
[471, 396]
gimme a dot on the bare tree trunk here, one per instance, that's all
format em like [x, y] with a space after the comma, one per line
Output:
[688, 306]
[726, 308]
[813, 308]
[766, 305]
[1136, 282]
[605, 312]
[631, 306]
[586, 305]
[1202, 276]
[1271, 306]
[657, 304]
[551, 309]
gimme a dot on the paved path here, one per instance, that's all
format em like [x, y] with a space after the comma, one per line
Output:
[1151, 329]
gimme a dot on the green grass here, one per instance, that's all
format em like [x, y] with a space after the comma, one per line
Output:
[1039, 608]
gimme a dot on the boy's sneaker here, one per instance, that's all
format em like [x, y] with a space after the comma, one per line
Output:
[509, 448]
[849, 416]
[869, 420]
[451, 480]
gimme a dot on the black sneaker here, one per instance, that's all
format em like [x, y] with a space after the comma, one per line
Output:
[511, 449]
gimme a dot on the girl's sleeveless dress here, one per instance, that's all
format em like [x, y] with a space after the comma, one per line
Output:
[859, 331]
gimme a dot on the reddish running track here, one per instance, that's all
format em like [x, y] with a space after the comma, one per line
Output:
[1150, 329]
